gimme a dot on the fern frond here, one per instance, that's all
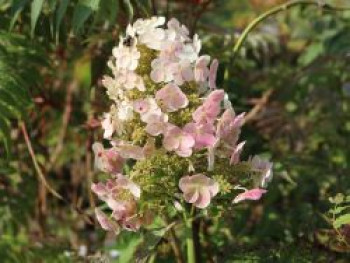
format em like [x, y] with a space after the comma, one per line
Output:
[20, 61]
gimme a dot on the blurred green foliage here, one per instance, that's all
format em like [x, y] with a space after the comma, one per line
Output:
[52, 56]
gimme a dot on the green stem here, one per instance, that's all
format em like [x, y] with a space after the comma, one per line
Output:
[191, 258]
[272, 12]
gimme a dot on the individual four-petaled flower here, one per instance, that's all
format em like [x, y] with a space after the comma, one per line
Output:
[198, 189]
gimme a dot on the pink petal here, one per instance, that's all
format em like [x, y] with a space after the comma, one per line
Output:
[172, 97]
[253, 194]
[216, 96]
[191, 197]
[114, 204]
[187, 152]
[171, 139]
[184, 183]
[213, 188]
[126, 183]
[235, 157]
[105, 222]
[203, 199]
[157, 75]
[99, 189]
[170, 142]
[187, 74]
[205, 140]
[155, 128]
[187, 141]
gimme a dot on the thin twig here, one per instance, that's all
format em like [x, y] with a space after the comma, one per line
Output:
[175, 243]
[41, 175]
[276, 10]
[176, 246]
[197, 15]
[35, 162]
[65, 121]
[258, 106]
[154, 7]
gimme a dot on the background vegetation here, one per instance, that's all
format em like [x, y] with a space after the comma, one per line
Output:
[292, 75]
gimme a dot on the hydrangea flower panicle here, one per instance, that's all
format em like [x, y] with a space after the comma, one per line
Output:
[168, 113]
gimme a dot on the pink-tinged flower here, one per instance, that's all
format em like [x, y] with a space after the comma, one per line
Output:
[182, 71]
[149, 33]
[126, 215]
[229, 127]
[124, 207]
[107, 160]
[229, 121]
[157, 125]
[188, 52]
[176, 31]
[106, 223]
[143, 106]
[100, 189]
[112, 187]
[198, 189]
[129, 80]
[108, 126]
[264, 167]
[172, 97]
[161, 71]
[212, 74]
[126, 57]
[148, 109]
[197, 44]
[211, 154]
[203, 134]
[253, 194]
[210, 109]
[179, 141]
[235, 156]
[124, 183]
[169, 51]
[127, 150]
[201, 71]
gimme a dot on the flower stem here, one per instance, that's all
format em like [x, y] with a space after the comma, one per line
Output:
[191, 258]
[191, 255]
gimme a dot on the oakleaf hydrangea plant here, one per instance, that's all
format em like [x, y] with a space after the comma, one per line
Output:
[171, 137]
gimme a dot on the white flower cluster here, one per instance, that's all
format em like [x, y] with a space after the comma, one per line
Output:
[177, 62]
[179, 112]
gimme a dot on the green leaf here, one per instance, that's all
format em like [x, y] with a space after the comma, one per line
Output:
[82, 12]
[20, 61]
[62, 9]
[337, 210]
[340, 43]
[108, 11]
[17, 7]
[35, 11]
[342, 220]
[5, 134]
